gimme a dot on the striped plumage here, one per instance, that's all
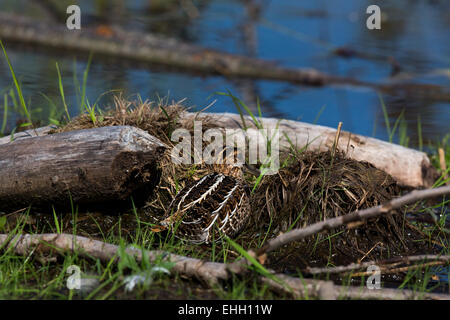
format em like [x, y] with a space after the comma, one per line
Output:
[214, 205]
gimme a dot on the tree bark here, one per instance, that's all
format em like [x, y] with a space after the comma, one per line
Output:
[103, 165]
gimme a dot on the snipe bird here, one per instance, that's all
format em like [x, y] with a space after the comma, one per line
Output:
[216, 205]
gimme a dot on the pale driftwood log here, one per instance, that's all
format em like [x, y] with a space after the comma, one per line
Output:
[101, 165]
[210, 272]
[407, 166]
[355, 216]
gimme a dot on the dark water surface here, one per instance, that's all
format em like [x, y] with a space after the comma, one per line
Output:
[413, 44]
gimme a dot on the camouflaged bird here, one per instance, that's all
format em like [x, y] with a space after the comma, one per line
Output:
[217, 204]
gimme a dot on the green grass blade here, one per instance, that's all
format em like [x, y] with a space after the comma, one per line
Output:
[52, 117]
[83, 88]
[61, 90]
[399, 122]
[241, 114]
[322, 109]
[258, 266]
[58, 229]
[258, 105]
[76, 83]
[247, 109]
[386, 117]
[14, 100]
[419, 132]
[16, 83]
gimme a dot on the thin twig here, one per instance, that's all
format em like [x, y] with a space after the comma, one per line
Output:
[401, 269]
[368, 252]
[384, 264]
[364, 265]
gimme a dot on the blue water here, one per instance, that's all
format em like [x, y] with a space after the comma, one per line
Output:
[293, 33]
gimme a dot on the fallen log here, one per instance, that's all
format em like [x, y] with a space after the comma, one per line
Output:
[101, 166]
[113, 41]
[407, 166]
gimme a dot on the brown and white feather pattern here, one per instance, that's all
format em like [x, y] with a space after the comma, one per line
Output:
[216, 204]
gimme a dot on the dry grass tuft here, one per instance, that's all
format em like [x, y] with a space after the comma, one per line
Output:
[318, 186]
